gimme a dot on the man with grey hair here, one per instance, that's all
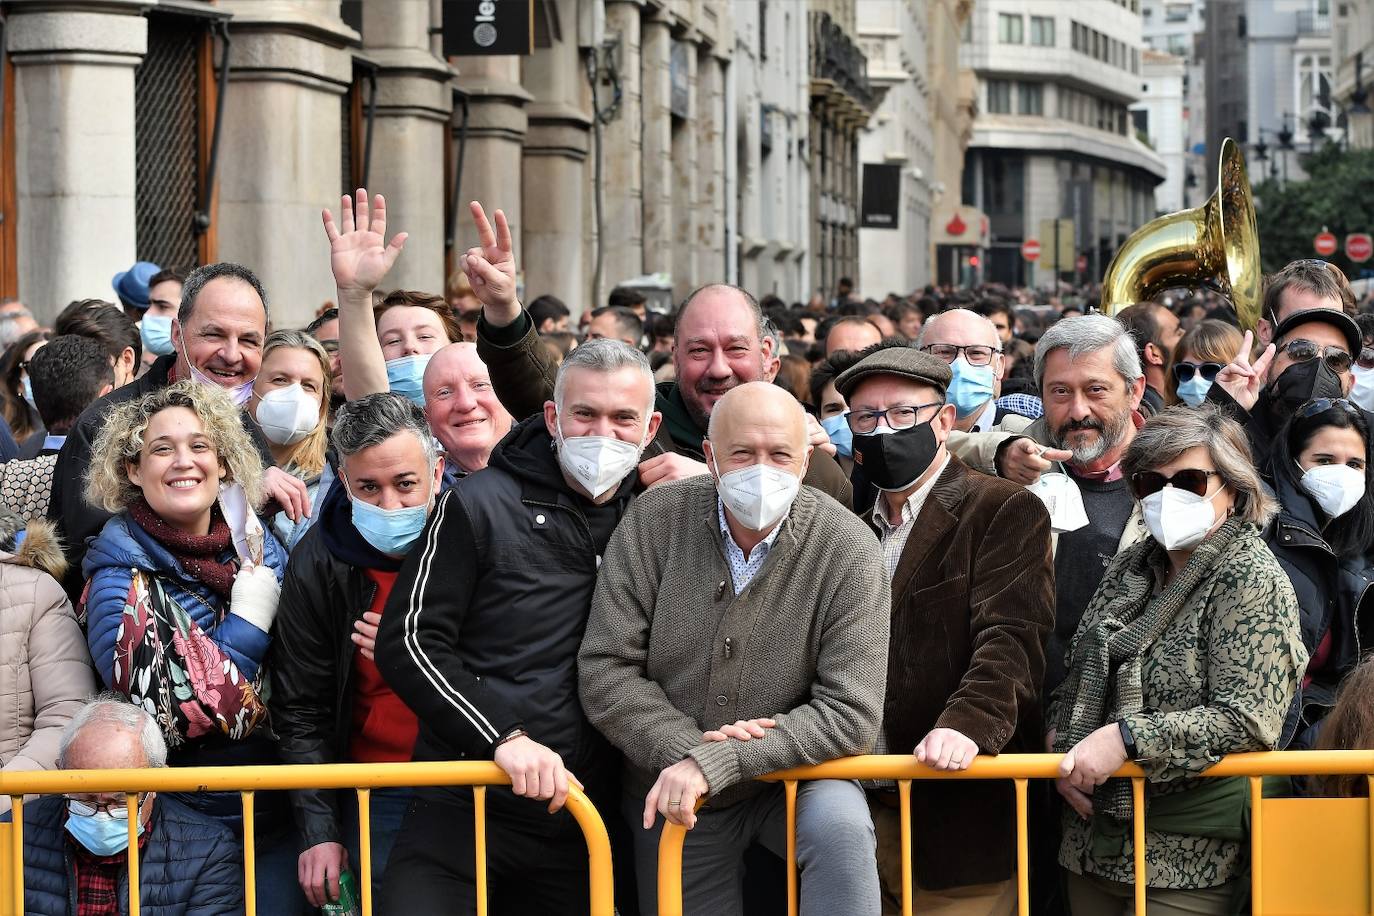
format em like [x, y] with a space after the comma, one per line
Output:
[480, 638]
[329, 702]
[76, 845]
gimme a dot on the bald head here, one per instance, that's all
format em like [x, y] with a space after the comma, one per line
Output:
[758, 423]
[461, 406]
[960, 327]
[111, 733]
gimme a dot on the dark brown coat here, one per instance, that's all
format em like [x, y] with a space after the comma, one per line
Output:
[972, 607]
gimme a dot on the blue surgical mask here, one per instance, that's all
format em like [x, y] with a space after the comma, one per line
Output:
[101, 833]
[837, 428]
[156, 332]
[970, 388]
[26, 384]
[391, 531]
[406, 376]
[1194, 391]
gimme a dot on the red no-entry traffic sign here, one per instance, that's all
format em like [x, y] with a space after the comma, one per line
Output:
[1030, 249]
[1324, 244]
[1359, 247]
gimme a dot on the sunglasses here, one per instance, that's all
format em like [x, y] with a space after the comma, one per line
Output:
[1322, 405]
[1194, 480]
[1301, 351]
[1184, 372]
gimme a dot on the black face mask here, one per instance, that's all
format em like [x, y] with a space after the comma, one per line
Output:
[894, 461]
[1303, 382]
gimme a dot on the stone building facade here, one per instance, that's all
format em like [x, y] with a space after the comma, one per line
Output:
[697, 140]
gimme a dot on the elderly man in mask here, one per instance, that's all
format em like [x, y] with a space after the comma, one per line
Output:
[716, 653]
[76, 845]
[481, 634]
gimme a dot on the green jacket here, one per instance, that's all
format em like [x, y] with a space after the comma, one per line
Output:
[1218, 681]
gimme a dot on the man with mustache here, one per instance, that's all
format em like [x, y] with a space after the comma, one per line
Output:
[719, 345]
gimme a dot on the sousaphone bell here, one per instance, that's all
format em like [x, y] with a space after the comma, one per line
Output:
[1215, 244]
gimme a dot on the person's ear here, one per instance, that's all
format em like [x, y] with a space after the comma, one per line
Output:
[134, 472]
[655, 419]
[1136, 392]
[1152, 355]
[710, 455]
[943, 423]
[551, 419]
[999, 366]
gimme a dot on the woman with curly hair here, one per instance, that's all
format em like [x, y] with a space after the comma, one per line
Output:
[181, 591]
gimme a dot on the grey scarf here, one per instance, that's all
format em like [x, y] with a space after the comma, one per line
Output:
[1104, 681]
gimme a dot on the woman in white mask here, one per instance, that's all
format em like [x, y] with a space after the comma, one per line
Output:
[1189, 650]
[1320, 470]
[290, 402]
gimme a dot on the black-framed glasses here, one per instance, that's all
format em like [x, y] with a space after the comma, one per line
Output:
[902, 416]
[975, 354]
[1194, 480]
[1184, 372]
[1301, 350]
[116, 808]
[1322, 405]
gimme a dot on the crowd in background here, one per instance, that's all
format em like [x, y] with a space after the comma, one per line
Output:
[655, 554]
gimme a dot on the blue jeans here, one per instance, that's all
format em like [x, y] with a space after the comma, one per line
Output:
[388, 808]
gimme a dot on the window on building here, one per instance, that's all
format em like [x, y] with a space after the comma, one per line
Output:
[1177, 12]
[1032, 99]
[1010, 28]
[1042, 31]
[1177, 45]
[999, 97]
[967, 35]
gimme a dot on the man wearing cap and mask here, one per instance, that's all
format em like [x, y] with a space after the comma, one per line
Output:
[748, 634]
[481, 634]
[1312, 356]
[971, 611]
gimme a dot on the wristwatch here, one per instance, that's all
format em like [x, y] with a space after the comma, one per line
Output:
[1127, 739]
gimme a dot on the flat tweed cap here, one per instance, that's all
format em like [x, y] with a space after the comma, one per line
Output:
[903, 361]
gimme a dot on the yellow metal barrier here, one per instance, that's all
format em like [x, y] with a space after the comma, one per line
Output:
[1287, 834]
[360, 777]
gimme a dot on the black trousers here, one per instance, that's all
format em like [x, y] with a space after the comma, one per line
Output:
[536, 862]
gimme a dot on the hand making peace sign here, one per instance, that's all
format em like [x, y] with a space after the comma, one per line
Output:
[490, 268]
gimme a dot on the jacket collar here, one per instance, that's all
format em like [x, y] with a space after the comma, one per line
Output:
[937, 518]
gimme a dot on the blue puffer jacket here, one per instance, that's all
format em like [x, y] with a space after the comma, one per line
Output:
[123, 546]
[190, 866]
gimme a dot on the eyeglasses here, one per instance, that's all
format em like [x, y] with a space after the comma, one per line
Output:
[1301, 351]
[1184, 372]
[900, 417]
[976, 354]
[1194, 480]
[116, 808]
[1322, 405]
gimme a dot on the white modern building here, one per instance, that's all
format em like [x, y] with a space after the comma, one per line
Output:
[1174, 27]
[1053, 137]
[1160, 119]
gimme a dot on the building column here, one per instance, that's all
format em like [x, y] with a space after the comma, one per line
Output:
[555, 157]
[710, 164]
[497, 123]
[281, 147]
[410, 135]
[683, 192]
[74, 161]
[622, 141]
[655, 54]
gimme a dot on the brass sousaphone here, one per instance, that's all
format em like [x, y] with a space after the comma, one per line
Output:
[1216, 244]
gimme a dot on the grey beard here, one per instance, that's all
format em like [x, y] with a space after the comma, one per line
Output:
[1108, 438]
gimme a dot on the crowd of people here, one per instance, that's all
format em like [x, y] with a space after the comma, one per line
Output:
[660, 555]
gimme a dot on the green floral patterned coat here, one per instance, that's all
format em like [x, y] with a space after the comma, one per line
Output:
[1218, 681]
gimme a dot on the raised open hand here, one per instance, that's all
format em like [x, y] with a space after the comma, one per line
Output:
[358, 253]
[490, 267]
[1244, 380]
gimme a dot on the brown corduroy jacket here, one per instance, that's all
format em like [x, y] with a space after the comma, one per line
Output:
[972, 607]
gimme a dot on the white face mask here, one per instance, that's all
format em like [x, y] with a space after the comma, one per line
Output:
[1178, 519]
[597, 463]
[759, 495]
[1336, 488]
[1363, 392]
[287, 415]
[1063, 499]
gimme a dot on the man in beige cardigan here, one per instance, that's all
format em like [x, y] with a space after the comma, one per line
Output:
[740, 626]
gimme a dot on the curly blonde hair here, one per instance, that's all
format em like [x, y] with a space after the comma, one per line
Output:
[121, 442]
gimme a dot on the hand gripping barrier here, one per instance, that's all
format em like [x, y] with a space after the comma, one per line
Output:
[362, 777]
[1315, 858]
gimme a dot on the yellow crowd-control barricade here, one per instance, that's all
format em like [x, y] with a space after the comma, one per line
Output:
[1308, 855]
[361, 777]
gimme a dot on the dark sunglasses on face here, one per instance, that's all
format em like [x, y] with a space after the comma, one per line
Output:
[1301, 351]
[1183, 372]
[1322, 405]
[1194, 480]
